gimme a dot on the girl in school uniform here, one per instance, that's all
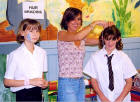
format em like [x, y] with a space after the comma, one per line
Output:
[110, 69]
[26, 64]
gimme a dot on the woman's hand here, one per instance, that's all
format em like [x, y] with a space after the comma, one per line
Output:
[102, 23]
[98, 22]
[107, 24]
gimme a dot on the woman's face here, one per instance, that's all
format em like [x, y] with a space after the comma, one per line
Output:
[75, 24]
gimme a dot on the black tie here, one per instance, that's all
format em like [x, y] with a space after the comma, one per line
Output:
[111, 79]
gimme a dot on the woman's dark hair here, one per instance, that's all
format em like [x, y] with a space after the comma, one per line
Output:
[109, 33]
[27, 24]
[69, 15]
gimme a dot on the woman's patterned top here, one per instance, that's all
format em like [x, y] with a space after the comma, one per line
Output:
[70, 59]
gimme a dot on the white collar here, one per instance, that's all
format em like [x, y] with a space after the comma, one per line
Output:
[114, 52]
[23, 46]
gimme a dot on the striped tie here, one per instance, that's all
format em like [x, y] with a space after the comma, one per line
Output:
[111, 79]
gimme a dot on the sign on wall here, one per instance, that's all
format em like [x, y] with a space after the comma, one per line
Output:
[34, 10]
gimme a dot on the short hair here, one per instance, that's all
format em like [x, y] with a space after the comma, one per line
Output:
[69, 15]
[27, 24]
[111, 32]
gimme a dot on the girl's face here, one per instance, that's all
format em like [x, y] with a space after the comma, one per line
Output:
[75, 24]
[31, 35]
[110, 44]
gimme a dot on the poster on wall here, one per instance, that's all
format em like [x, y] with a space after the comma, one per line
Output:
[33, 10]
[124, 13]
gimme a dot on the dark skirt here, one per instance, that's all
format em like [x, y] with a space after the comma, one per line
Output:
[32, 94]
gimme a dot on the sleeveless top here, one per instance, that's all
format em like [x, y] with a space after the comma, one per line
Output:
[70, 59]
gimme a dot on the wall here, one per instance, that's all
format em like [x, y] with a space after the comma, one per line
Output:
[131, 47]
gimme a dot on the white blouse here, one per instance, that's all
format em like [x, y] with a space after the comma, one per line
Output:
[122, 67]
[22, 64]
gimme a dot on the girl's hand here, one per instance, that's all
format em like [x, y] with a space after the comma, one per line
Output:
[36, 82]
[104, 99]
[45, 84]
[118, 100]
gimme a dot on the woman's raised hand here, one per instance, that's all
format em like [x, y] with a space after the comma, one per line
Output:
[102, 23]
[106, 24]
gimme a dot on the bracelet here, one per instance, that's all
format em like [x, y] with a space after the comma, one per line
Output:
[91, 26]
[26, 82]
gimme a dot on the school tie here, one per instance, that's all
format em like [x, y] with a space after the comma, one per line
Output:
[111, 79]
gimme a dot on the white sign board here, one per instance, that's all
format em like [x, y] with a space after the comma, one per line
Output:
[33, 10]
